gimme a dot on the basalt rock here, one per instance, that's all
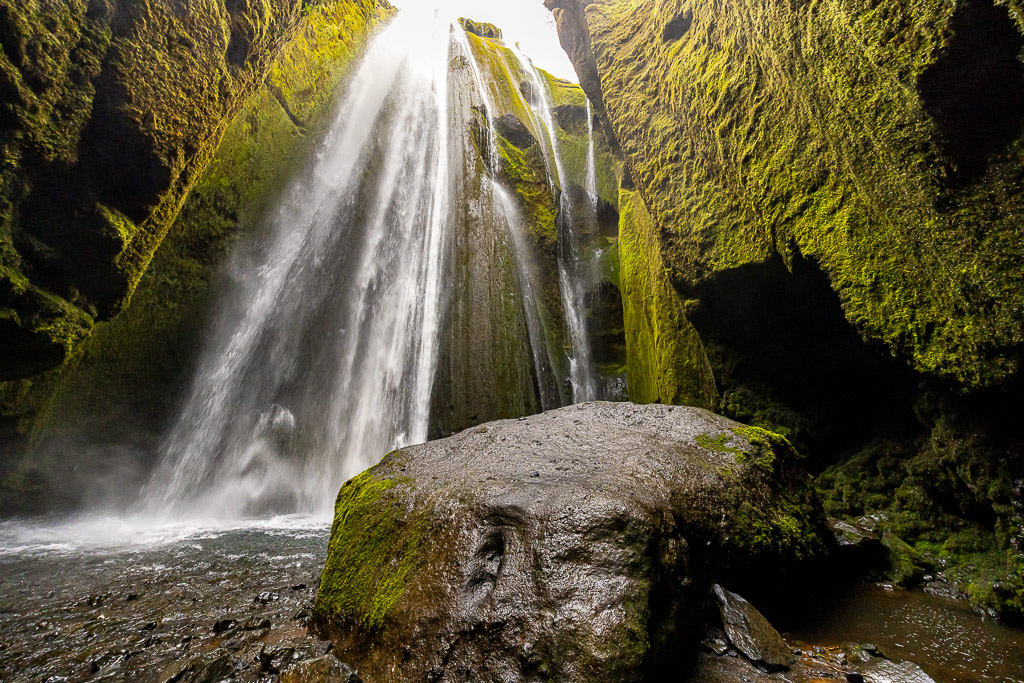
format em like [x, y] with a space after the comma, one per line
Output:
[512, 129]
[575, 545]
[750, 632]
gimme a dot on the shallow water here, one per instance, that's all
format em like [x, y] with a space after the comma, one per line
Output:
[114, 600]
[111, 599]
[952, 643]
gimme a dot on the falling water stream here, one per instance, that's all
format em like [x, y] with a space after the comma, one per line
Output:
[322, 358]
[583, 373]
[592, 188]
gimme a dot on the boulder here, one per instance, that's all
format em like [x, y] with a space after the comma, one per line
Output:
[575, 545]
[751, 633]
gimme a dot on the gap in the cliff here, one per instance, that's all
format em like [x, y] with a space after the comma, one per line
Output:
[771, 326]
[527, 24]
[975, 88]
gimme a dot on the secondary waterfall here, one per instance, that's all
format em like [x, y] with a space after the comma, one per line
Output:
[571, 266]
[323, 354]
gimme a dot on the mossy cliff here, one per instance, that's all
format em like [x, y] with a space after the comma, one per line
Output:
[834, 194]
[121, 382]
[491, 386]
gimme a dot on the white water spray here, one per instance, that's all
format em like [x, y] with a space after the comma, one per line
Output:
[322, 357]
[592, 188]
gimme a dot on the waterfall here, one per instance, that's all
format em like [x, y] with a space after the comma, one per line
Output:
[572, 269]
[351, 328]
[322, 354]
[592, 188]
[542, 355]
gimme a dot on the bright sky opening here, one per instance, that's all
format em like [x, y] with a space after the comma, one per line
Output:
[526, 22]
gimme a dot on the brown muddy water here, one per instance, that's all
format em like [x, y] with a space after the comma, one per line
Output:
[108, 599]
[948, 640]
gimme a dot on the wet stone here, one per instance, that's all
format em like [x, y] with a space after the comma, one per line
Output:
[751, 633]
[266, 597]
[224, 625]
[325, 669]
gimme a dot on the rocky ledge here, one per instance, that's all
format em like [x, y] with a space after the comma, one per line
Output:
[581, 544]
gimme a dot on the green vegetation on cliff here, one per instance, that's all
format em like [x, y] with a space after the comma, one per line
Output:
[127, 375]
[665, 359]
[832, 186]
[753, 128]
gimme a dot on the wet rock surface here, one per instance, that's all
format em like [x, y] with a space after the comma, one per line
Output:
[750, 632]
[197, 609]
[575, 545]
[852, 663]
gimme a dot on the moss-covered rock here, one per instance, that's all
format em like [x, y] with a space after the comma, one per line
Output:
[833, 193]
[666, 360]
[753, 129]
[111, 111]
[523, 164]
[947, 504]
[576, 545]
[129, 373]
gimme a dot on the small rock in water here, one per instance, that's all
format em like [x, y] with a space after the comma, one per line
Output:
[715, 642]
[224, 625]
[266, 597]
[256, 623]
[276, 658]
[325, 669]
[750, 632]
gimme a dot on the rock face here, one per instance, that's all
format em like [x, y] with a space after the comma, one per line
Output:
[110, 111]
[820, 235]
[889, 163]
[574, 545]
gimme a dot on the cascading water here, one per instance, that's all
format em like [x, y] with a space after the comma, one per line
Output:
[592, 189]
[322, 357]
[324, 352]
[571, 266]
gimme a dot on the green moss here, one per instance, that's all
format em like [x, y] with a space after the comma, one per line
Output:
[373, 548]
[126, 377]
[773, 514]
[746, 141]
[763, 446]
[665, 357]
[722, 443]
[937, 497]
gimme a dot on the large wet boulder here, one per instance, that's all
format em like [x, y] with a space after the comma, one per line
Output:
[575, 545]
